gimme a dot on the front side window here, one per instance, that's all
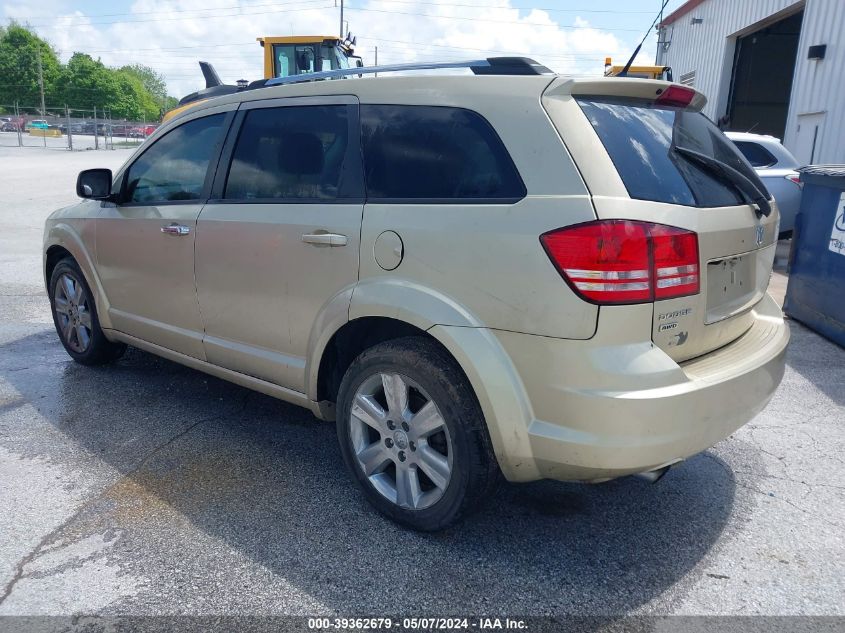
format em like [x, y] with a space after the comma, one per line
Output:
[435, 153]
[175, 167]
[643, 140]
[296, 153]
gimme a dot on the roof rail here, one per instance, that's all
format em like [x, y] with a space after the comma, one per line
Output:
[489, 66]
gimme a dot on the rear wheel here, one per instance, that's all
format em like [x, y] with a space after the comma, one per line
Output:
[412, 434]
[75, 317]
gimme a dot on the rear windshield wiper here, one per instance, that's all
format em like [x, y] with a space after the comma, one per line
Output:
[747, 189]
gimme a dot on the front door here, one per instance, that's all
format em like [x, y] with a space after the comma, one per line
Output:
[279, 238]
[145, 244]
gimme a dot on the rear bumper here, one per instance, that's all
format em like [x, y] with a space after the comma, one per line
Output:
[603, 408]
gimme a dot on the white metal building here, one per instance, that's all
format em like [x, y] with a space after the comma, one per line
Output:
[766, 66]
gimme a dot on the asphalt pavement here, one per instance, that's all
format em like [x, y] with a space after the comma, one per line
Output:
[148, 488]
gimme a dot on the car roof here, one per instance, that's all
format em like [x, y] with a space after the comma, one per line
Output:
[748, 136]
[785, 159]
[457, 90]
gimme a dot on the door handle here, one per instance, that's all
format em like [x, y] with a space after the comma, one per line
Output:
[176, 229]
[325, 239]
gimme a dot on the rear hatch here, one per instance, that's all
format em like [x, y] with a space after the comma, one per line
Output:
[660, 161]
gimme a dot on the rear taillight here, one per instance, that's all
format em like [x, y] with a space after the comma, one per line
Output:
[796, 178]
[623, 261]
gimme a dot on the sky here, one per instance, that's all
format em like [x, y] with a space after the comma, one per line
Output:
[569, 36]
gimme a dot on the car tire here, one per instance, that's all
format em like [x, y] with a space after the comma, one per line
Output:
[413, 436]
[75, 317]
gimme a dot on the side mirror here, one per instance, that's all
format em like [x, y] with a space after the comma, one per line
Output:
[94, 184]
[359, 63]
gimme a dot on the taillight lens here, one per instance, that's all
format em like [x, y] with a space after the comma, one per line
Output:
[796, 178]
[623, 261]
[675, 95]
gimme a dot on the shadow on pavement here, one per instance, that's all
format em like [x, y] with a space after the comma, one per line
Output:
[820, 361]
[266, 479]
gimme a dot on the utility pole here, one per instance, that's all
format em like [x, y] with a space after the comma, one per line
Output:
[41, 84]
[376, 64]
[341, 19]
[659, 26]
[69, 131]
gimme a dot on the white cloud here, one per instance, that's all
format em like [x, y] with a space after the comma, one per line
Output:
[172, 35]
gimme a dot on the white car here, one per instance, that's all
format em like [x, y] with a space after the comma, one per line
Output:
[776, 167]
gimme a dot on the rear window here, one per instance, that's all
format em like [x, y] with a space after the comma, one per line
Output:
[756, 154]
[640, 138]
[435, 154]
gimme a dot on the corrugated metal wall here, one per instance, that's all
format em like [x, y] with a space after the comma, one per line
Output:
[818, 86]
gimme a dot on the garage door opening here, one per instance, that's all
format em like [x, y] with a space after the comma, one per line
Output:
[764, 64]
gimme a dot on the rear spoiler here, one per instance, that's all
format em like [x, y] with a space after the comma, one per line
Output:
[648, 89]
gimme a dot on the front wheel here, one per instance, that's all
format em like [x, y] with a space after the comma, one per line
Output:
[75, 317]
[413, 435]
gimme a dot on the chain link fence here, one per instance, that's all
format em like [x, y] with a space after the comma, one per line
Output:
[66, 128]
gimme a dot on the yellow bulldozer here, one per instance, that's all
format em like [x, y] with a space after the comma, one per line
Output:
[641, 72]
[283, 56]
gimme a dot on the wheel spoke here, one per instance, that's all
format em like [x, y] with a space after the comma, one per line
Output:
[62, 306]
[395, 393]
[426, 421]
[408, 489]
[369, 411]
[68, 289]
[374, 458]
[78, 293]
[68, 331]
[82, 336]
[85, 318]
[435, 466]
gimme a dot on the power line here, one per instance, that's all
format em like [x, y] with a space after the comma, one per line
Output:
[510, 22]
[498, 6]
[193, 18]
[245, 6]
[112, 15]
[241, 13]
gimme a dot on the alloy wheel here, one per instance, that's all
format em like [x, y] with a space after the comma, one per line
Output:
[71, 303]
[400, 440]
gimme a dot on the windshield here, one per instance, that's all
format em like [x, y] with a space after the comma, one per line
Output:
[641, 139]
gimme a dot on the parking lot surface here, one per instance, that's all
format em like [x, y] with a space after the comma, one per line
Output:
[148, 488]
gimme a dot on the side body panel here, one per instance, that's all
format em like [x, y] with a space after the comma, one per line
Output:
[263, 283]
[149, 276]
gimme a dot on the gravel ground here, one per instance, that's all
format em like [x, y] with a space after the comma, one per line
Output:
[149, 488]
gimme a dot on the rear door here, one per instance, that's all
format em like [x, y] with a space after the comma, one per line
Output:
[280, 237]
[657, 183]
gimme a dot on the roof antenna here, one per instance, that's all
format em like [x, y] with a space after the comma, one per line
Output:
[624, 72]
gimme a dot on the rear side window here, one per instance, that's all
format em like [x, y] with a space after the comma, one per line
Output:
[175, 166]
[640, 139]
[756, 154]
[435, 154]
[295, 154]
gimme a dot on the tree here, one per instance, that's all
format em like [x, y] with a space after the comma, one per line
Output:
[152, 81]
[132, 92]
[87, 83]
[19, 50]
[147, 88]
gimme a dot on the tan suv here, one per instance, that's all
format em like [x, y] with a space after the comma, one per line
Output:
[513, 273]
